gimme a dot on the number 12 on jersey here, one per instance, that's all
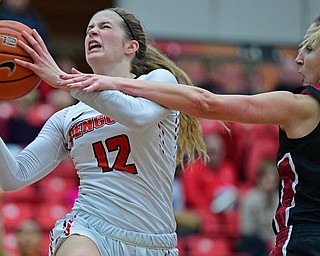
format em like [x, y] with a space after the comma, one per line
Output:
[118, 143]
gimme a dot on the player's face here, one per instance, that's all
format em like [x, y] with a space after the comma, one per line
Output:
[105, 42]
[308, 60]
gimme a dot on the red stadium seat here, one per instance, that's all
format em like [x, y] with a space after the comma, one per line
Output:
[181, 246]
[58, 189]
[14, 213]
[27, 194]
[49, 213]
[203, 246]
[10, 243]
[213, 225]
[66, 169]
[8, 111]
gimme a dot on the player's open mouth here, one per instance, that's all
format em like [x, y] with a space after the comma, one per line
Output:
[302, 79]
[94, 45]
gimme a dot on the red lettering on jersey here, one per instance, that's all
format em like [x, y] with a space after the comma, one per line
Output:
[87, 125]
[109, 120]
[99, 121]
[77, 131]
[100, 155]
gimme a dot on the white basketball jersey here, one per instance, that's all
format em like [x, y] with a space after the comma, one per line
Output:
[125, 158]
[124, 149]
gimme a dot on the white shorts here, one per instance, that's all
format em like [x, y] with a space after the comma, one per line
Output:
[110, 239]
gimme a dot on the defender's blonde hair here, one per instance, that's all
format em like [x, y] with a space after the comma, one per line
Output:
[313, 39]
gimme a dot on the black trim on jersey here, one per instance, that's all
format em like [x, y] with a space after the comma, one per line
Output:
[299, 89]
[313, 90]
[308, 87]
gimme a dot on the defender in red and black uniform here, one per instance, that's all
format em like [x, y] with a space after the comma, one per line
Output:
[297, 220]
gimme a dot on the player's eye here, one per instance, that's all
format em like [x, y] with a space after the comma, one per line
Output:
[105, 26]
[309, 48]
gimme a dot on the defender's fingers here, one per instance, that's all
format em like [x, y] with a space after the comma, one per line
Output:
[71, 76]
[75, 71]
[91, 88]
[78, 82]
[81, 84]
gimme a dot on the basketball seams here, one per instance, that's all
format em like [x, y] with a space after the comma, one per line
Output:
[12, 28]
[7, 95]
[16, 54]
[17, 80]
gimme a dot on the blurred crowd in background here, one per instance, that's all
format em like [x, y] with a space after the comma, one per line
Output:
[222, 208]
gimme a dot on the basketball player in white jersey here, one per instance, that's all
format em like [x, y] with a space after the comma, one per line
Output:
[124, 148]
[296, 222]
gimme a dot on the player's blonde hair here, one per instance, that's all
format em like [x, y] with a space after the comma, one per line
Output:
[313, 39]
[148, 58]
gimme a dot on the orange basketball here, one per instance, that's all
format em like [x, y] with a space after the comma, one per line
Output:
[15, 81]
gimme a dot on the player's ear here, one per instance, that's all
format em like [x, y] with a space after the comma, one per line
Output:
[132, 47]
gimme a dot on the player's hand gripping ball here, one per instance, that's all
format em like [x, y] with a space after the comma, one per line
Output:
[15, 81]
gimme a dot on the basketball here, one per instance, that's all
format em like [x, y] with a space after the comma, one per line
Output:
[15, 81]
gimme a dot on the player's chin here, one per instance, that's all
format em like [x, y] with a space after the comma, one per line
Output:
[93, 60]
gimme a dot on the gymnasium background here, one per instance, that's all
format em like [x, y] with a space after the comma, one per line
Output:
[205, 37]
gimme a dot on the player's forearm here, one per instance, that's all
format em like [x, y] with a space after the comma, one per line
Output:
[132, 112]
[8, 170]
[188, 99]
